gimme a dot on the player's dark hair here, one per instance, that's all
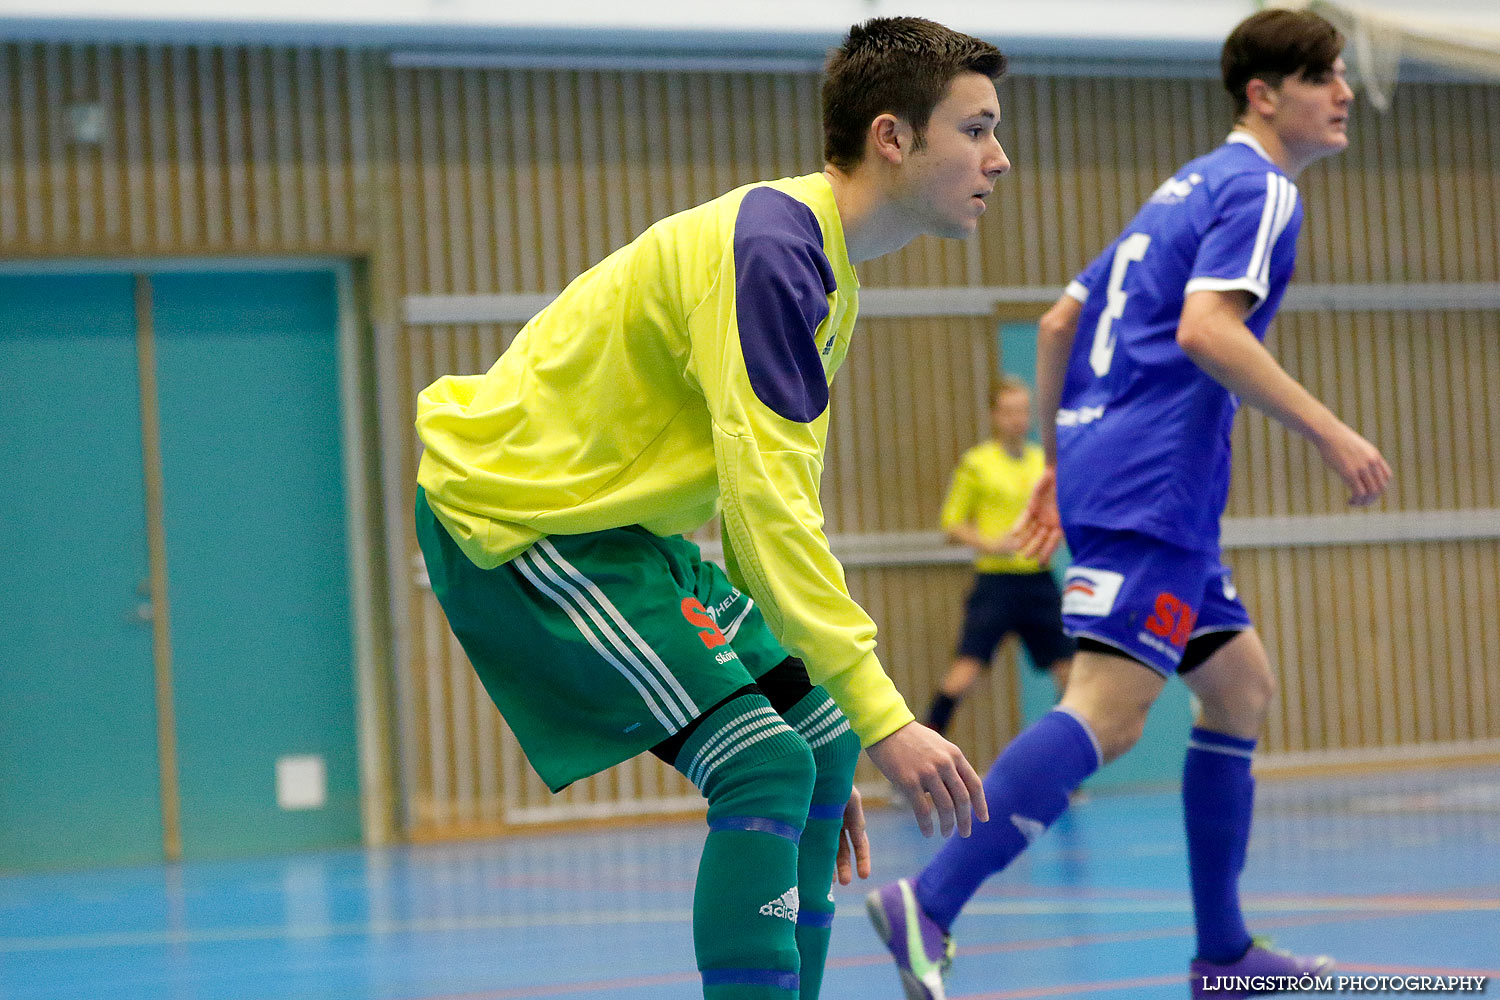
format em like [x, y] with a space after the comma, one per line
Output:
[896, 65]
[1274, 44]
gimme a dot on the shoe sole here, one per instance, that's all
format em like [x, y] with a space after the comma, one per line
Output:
[910, 984]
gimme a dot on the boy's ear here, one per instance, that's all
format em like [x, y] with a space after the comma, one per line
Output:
[890, 138]
[1261, 96]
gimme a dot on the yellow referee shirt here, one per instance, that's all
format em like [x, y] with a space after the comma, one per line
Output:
[990, 489]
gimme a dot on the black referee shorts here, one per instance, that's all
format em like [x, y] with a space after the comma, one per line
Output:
[1028, 604]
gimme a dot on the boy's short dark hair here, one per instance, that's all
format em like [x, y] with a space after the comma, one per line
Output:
[900, 65]
[1274, 44]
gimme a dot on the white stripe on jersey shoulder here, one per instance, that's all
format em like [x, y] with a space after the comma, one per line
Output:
[1246, 284]
[1263, 232]
[1284, 212]
[1281, 201]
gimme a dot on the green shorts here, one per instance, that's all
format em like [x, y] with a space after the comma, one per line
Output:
[597, 647]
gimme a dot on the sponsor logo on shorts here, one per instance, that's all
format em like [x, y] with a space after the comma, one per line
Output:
[1230, 593]
[1090, 592]
[699, 618]
[1171, 619]
[1152, 642]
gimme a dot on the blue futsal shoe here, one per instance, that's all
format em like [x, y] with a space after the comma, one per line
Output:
[922, 951]
[1260, 970]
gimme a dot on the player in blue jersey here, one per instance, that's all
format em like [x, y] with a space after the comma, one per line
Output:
[1171, 318]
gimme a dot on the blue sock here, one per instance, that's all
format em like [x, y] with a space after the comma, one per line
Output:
[1218, 796]
[1027, 789]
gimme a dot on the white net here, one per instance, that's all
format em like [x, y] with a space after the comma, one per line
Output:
[1467, 43]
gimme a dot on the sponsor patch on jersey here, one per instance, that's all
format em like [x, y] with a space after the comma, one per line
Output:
[1090, 591]
[1174, 191]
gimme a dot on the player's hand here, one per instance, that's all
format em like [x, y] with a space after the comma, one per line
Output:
[1038, 531]
[854, 845]
[1358, 462]
[934, 776]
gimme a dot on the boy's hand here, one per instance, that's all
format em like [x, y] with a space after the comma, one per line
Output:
[1358, 462]
[934, 775]
[854, 845]
[1038, 531]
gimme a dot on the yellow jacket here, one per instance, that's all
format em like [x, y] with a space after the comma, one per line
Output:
[684, 375]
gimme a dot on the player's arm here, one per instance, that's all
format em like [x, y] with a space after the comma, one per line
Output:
[1039, 531]
[1213, 334]
[755, 354]
[1055, 332]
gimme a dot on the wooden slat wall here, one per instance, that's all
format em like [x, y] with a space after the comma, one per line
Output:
[497, 181]
[205, 151]
[1378, 646]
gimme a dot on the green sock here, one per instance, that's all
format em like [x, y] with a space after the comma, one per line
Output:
[835, 752]
[756, 959]
[757, 774]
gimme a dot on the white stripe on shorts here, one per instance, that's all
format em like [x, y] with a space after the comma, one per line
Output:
[642, 670]
[583, 627]
[624, 626]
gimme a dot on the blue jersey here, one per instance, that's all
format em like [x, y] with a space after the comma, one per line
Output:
[1143, 432]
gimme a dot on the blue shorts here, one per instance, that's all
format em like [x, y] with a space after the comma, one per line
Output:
[1146, 597]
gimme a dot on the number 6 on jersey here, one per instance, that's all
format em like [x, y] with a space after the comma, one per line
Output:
[1131, 249]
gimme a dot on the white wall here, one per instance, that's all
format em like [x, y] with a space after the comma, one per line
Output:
[1141, 28]
[1155, 34]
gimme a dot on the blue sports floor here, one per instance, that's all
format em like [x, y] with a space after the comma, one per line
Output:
[1392, 874]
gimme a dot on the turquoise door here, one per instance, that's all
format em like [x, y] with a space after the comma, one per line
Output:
[78, 741]
[247, 368]
[247, 374]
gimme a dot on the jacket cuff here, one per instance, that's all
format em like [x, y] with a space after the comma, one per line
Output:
[869, 699]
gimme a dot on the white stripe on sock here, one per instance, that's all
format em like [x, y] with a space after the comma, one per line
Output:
[729, 744]
[726, 731]
[843, 727]
[1227, 751]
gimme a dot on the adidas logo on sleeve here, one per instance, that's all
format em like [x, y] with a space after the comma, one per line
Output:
[784, 906]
